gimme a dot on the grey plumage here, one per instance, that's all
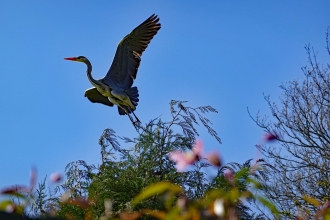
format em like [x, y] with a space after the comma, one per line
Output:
[116, 87]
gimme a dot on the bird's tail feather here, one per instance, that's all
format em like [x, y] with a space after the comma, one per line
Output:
[133, 94]
[122, 112]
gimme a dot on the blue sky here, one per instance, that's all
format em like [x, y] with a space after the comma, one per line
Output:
[222, 53]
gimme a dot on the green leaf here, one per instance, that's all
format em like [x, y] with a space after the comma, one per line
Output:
[155, 189]
[311, 200]
[156, 214]
[173, 213]
[4, 204]
[254, 182]
[242, 173]
[326, 216]
[268, 204]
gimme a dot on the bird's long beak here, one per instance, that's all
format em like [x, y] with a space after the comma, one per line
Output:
[71, 58]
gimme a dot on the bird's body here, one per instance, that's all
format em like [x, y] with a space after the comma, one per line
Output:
[116, 87]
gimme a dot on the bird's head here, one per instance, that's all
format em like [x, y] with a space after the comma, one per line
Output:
[78, 59]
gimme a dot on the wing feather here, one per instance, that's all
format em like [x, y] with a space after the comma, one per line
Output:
[96, 97]
[127, 59]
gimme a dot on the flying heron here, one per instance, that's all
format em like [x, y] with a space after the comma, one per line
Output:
[116, 87]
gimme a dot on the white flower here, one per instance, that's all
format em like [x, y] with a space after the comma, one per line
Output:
[219, 208]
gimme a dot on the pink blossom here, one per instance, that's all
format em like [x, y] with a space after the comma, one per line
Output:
[270, 137]
[326, 205]
[182, 160]
[10, 208]
[33, 177]
[55, 177]
[229, 175]
[214, 158]
[182, 202]
[198, 149]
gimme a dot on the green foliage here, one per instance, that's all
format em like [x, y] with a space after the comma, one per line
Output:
[167, 188]
[142, 182]
[217, 201]
[235, 180]
[146, 163]
[71, 211]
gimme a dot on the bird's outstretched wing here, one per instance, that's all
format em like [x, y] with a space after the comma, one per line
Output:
[96, 97]
[127, 59]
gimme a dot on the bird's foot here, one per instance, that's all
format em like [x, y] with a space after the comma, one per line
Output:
[136, 124]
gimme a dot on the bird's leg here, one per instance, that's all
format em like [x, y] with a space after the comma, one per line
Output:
[137, 119]
[135, 124]
[130, 118]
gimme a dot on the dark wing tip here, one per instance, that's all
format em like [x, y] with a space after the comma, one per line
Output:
[149, 29]
[153, 20]
[127, 58]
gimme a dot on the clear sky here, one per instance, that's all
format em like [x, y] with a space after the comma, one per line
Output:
[222, 53]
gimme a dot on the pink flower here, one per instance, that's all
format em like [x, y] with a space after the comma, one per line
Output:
[326, 205]
[270, 137]
[10, 208]
[55, 177]
[33, 177]
[229, 175]
[198, 149]
[182, 160]
[214, 158]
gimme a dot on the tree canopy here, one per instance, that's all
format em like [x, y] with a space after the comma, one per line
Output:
[299, 177]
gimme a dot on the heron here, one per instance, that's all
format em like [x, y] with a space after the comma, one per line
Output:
[116, 87]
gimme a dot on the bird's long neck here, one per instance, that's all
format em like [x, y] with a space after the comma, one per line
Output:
[89, 73]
